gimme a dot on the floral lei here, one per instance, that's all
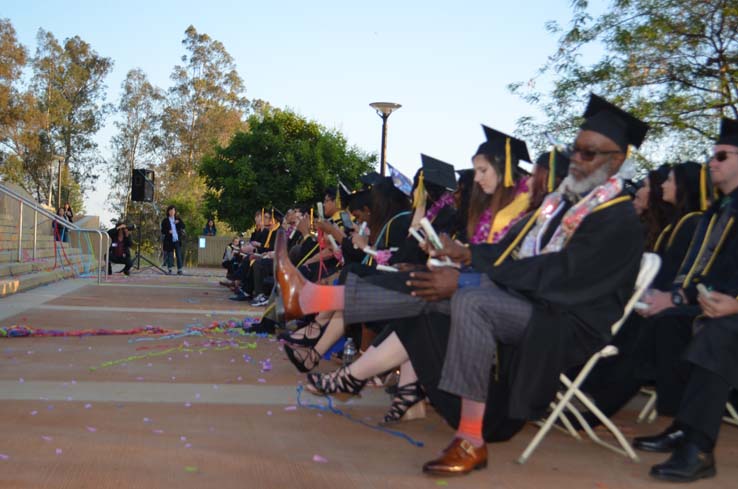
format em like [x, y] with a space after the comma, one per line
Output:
[571, 220]
[485, 220]
[446, 200]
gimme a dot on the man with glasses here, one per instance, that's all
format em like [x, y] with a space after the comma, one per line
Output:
[711, 341]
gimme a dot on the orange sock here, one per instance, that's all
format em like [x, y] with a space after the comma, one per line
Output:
[320, 298]
[470, 425]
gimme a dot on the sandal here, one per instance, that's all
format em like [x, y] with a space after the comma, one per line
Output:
[306, 338]
[339, 382]
[304, 359]
[407, 404]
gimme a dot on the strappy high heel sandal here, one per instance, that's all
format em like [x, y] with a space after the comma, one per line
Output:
[407, 404]
[340, 382]
[306, 339]
[304, 358]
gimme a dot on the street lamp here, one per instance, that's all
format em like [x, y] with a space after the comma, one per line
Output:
[384, 109]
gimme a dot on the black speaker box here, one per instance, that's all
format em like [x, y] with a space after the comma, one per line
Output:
[142, 185]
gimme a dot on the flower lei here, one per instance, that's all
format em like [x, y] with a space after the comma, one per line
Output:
[446, 200]
[571, 220]
[481, 231]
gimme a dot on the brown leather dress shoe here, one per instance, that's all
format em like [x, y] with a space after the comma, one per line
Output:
[460, 457]
[289, 278]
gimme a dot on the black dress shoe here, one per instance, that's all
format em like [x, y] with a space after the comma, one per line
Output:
[687, 464]
[664, 442]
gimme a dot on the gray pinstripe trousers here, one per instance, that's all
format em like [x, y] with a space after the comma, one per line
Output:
[480, 318]
[365, 301]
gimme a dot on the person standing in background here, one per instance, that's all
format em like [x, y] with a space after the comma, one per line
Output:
[172, 230]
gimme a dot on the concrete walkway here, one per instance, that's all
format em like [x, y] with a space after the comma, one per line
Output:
[220, 410]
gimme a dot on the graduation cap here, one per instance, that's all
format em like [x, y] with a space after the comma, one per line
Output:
[438, 172]
[504, 146]
[609, 120]
[696, 180]
[370, 178]
[277, 214]
[399, 180]
[728, 132]
[557, 164]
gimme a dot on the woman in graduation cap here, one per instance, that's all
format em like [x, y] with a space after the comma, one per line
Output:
[550, 169]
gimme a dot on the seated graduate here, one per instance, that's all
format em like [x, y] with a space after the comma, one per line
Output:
[616, 380]
[386, 296]
[650, 205]
[712, 262]
[544, 291]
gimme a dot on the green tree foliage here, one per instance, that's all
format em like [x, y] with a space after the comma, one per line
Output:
[69, 83]
[281, 160]
[672, 62]
[138, 140]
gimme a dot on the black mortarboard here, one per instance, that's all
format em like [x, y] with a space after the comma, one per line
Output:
[438, 172]
[728, 132]
[370, 178]
[277, 214]
[605, 118]
[511, 149]
[560, 163]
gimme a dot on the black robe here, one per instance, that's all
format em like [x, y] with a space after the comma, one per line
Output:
[576, 293]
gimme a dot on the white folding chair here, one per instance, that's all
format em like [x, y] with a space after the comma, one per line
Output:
[649, 413]
[650, 264]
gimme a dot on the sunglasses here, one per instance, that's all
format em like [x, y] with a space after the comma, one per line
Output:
[723, 155]
[588, 155]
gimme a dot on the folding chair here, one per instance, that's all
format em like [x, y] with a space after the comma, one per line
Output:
[650, 264]
[649, 413]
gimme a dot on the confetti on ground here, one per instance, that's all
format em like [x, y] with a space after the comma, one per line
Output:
[34, 413]
[91, 429]
[441, 483]
[46, 438]
[158, 432]
[191, 469]
[319, 459]
[291, 408]
[3, 456]
[58, 451]
[88, 406]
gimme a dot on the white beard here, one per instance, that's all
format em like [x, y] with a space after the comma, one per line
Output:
[577, 188]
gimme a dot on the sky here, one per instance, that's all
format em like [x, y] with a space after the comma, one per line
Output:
[447, 63]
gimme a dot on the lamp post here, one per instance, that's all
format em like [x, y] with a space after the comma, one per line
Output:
[384, 109]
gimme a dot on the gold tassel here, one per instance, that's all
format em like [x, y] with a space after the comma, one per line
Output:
[262, 217]
[551, 170]
[419, 193]
[508, 179]
[627, 152]
[311, 217]
[703, 188]
[338, 196]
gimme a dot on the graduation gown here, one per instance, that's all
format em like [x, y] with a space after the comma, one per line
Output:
[577, 293]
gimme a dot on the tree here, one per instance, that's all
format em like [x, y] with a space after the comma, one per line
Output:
[205, 107]
[281, 160]
[138, 139]
[69, 81]
[25, 159]
[673, 63]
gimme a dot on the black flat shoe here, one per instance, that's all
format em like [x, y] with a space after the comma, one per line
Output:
[664, 442]
[687, 464]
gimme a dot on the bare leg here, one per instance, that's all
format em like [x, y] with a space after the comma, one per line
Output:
[312, 330]
[389, 354]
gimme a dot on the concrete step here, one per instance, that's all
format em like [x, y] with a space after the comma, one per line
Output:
[27, 244]
[13, 285]
[10, 256]
[15, 268]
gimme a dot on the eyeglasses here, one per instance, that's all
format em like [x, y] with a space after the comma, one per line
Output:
[723, 155]
[588, 155]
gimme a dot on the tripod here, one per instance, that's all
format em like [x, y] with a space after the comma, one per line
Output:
[138, 257]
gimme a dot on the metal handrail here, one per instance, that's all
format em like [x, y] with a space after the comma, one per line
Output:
[23, 200]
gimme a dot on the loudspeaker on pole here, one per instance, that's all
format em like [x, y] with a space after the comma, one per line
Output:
[142, 185]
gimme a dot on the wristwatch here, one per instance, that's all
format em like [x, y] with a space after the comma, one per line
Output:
[676, 298]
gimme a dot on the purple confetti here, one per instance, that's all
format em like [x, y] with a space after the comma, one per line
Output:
[34, 413]
[46, 438]
[58, 451]
[20, 381]
[269, 413]
[319, 459]
[158, 432]
[91, 429]
[188, 404]
[261, 381]
[146, 420]
[88, 406]
[197, 395]
[188, 445]
[3, 456]
[291, 408]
